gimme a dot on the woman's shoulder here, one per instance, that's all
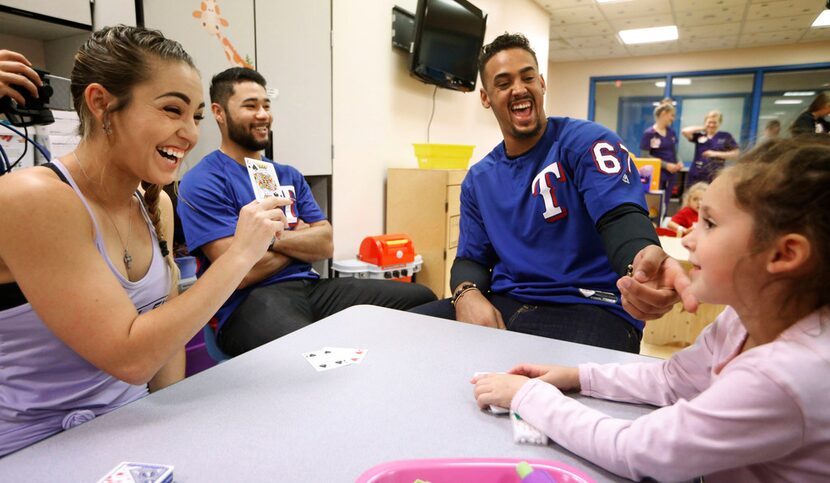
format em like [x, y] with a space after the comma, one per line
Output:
[33, 192]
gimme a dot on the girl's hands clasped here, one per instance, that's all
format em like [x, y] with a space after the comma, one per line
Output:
[563, 377]
[499, 389]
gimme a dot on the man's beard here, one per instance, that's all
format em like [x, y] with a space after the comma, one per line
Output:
[528, 134]
[245, 138]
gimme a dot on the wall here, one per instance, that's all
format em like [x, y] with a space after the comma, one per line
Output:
[113, 12]
[302, 109]
[32, 49]
[379, 111]
[569, 82]
[60, 53]
[176, 21]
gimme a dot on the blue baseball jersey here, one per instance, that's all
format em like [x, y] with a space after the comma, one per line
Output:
[532, 219]
[210, 197]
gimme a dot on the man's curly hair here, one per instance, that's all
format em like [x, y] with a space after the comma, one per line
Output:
[503, 42]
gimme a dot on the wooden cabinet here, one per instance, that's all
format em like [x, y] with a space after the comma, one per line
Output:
[425, 204]
[679, 328]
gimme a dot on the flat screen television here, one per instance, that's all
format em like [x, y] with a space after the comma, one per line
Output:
[448, 39]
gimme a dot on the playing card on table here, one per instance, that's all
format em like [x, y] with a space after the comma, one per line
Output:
[329, 358]
[263, 178]
[127, 472]
[352, 354]
[326, 359]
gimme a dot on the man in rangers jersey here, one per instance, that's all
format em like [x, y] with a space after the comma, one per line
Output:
[550, 219]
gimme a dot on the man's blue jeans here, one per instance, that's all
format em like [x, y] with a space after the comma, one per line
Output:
[580, 323]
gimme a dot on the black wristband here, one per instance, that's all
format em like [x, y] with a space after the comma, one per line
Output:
[625, 231]
[465, 270]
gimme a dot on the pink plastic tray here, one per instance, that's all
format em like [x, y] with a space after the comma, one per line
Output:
[467, 470]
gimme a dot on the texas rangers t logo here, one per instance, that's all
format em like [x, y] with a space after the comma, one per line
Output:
[543, 186]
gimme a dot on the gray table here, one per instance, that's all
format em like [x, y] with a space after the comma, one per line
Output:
[269, 416]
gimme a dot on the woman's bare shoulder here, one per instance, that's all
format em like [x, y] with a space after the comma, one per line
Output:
[37, 194]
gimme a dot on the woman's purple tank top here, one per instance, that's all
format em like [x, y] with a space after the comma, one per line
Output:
[46, 387]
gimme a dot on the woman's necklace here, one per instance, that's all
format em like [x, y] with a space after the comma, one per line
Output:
[128, 260]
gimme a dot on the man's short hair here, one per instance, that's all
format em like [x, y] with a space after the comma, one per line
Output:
[503, 42]
[222, 84]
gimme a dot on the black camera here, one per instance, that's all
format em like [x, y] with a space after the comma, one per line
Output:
[34, 112]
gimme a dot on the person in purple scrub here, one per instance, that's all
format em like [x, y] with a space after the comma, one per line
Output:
[660, 141]
[712, 148]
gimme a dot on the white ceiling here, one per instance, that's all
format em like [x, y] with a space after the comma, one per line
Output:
[585, 29]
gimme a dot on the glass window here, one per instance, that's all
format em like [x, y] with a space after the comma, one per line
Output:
[788, 94]
[627, 106]
[696, 96]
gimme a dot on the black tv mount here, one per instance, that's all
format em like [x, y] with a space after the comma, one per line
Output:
[403, 29]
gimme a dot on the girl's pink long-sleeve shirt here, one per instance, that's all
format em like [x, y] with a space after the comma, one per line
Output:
[763, 415]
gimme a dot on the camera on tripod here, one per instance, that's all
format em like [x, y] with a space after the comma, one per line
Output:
[34, 112]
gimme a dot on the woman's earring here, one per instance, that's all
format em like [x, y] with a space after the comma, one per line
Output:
[107, 128]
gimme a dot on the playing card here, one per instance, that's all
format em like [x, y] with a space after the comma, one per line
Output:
[127, 472]
[263, 178]
[326, 359]
[353, 355]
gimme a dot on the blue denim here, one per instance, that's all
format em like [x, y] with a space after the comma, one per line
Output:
[580, 323]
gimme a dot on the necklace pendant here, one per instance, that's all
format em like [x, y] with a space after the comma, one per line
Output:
[127, 259]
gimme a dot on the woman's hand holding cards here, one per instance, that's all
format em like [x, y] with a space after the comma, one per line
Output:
[260, 222]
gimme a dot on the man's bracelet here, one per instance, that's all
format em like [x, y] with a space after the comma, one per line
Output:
[461, 290]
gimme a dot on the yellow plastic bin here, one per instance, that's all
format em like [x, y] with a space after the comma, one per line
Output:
[443, 156]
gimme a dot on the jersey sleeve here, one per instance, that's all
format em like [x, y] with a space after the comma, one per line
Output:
[603, 171]
[473, 242]
[206, 209]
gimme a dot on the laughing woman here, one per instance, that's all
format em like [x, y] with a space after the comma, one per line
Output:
[88, 322]
[712, 148]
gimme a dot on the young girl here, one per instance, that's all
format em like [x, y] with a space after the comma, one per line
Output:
[747, 401]
[683, 221]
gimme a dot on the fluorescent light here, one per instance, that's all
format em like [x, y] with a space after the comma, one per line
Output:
[823, 20]
[788, 101]
[677, 81]
[649, 35]
[800, 93]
